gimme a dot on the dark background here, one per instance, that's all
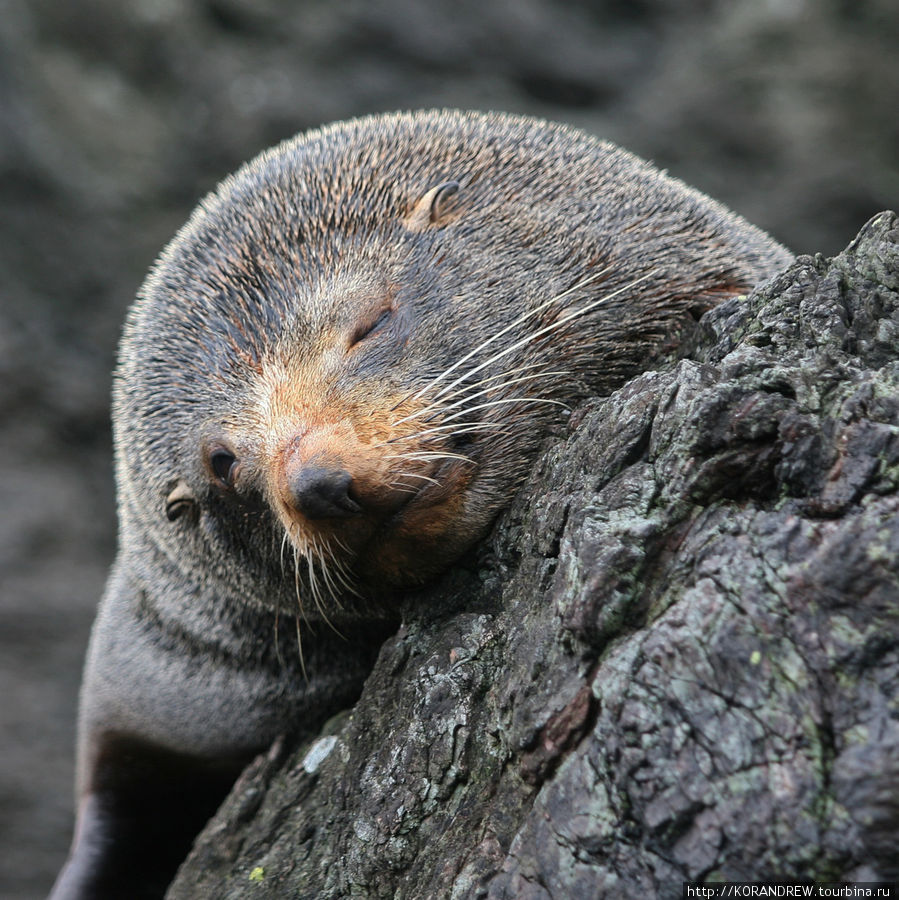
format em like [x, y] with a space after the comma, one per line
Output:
[116, 116]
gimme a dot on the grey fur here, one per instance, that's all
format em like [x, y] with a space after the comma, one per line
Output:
[272, 265]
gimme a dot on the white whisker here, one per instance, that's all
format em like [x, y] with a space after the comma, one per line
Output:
[345, 579]
[535, 335]
[329, 583]
[502, 401]
[340, 544]
[461, 429]
[470, 396]
[284, 541]
[299, 613]
[300, 648]
[514, 324]
[462, 390]
[315, 589]
[415, 475]
[426, 455]
[401, 488]
[321, 553]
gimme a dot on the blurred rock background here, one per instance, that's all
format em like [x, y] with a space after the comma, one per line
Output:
[117, 115]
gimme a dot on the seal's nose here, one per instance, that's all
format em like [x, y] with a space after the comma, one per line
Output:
[319, 492]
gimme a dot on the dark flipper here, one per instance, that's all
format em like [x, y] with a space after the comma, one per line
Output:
[137, 822]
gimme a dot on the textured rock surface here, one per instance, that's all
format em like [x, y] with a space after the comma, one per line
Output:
[116, 116]
[676, 658]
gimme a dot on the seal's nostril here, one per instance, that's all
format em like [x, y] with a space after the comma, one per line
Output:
[322, 493]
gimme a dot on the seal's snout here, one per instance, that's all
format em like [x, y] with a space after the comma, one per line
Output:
[321, 492]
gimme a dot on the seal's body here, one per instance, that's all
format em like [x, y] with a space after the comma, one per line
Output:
[335, 376]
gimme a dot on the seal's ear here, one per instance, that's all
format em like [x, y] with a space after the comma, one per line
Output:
[438, 207]
[180, 502]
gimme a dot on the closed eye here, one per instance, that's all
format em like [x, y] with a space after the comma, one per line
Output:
[370, 326]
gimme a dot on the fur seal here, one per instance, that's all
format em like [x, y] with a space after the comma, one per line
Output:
[332, 380]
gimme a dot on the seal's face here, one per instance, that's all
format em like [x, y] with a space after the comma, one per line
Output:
[327, 439]
[340, 368]
[344, 447]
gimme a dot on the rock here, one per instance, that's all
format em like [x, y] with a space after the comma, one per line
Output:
[676, 658]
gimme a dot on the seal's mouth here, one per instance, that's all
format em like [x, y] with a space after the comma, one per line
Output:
[370, 481]
[389, 531]
[424, 491]
[322, 498]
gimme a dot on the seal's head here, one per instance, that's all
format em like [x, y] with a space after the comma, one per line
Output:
[339, 369]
